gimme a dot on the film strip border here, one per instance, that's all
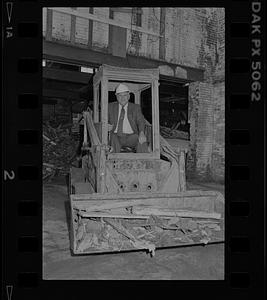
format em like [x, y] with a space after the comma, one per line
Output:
[245, 89]
[22, 145]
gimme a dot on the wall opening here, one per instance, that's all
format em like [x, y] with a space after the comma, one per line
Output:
[173, 110]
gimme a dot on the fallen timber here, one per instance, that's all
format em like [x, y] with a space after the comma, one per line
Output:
[207, 201]
[185, 218]
[143, 215]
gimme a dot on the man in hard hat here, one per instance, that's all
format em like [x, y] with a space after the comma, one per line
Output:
[126, 122]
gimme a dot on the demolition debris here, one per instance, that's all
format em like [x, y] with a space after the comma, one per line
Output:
[59, 149]
[151, 232]
[167, 132]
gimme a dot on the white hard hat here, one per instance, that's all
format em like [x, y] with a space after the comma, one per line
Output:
[122, 88]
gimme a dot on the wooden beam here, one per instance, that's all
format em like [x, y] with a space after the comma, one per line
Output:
[175, 213]
[104, 109]
[155, 118]
[134, 195]
[83, 56]
[162, 48]
[91, 128]
[96, 103]
[151, 155]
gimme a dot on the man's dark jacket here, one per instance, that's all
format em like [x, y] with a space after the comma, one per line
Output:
[134, 114]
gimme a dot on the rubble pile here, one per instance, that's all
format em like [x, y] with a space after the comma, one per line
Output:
[167, 132]
[116, 234]
[59, 149]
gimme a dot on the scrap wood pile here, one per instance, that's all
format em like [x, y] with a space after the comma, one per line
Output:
[167, 132]
[59, 149]
[144, 227]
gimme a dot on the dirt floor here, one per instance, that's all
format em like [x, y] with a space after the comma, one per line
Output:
[184, 263]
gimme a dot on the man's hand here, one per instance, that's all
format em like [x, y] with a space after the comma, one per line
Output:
[110, 127]
[142, 137]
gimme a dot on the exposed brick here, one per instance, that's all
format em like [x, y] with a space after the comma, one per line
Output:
[61, 24]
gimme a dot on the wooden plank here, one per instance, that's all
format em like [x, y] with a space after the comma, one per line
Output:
[91, 128]
[96, 103]
[182, 171]
[85, 136]
[135, 156]
[130, 74]
[104, 110]
[175, 213]
[172, 179]
[134, 195]
[162, 46]
[193, 203]
[200, 202]
[209, 203]
[155, 117]
[139, 244]
[145, 214]
[111, 184]
[98, 75]
[73, 227]
[102, 170]
[106, 215]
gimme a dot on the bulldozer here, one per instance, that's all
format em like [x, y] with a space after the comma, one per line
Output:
[132, 201]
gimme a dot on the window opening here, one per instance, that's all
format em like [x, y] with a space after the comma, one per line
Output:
[173, 111]
[137, 16]
[111, 13]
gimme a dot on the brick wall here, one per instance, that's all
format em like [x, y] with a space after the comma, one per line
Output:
[218, 154]
[206, 159]
[201, 129]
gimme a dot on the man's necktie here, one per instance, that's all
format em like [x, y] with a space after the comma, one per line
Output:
[120, 125]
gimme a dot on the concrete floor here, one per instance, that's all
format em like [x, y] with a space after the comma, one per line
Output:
[184, 263]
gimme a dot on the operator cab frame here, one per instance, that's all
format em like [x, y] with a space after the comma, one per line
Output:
[107, 79]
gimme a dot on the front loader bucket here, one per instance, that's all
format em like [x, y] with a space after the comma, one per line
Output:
[122, 222]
